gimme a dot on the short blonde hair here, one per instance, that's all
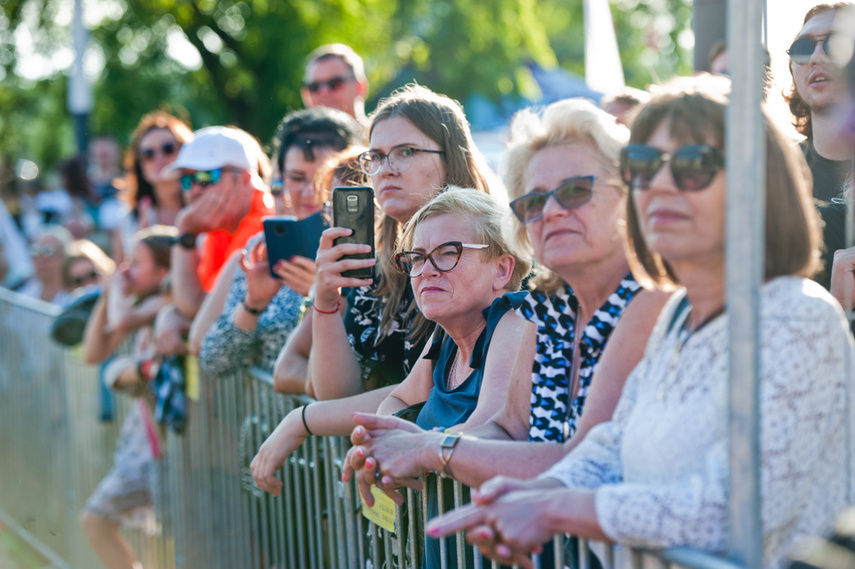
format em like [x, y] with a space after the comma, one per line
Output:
[565, 122]
[486, 216]
[695, 108]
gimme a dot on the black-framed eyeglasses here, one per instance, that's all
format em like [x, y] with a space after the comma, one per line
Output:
[203, 178]
[443, 257]
[572, 193]
[802, 49]
[693, 167]
[167, 149]
[333, 84]
[400, 159]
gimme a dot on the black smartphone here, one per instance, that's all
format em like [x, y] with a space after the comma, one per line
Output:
[287, 236]
[353, 207]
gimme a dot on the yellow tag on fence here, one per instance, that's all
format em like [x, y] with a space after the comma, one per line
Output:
[192, 378]
[383, 513]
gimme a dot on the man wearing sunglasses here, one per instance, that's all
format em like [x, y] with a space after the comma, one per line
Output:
[818, 88]
[221, 179]
[335, 78]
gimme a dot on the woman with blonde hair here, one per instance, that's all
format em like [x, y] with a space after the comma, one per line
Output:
[656, 474]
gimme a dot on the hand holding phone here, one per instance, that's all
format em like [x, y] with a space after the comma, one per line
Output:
[287, 237]
[353, 208]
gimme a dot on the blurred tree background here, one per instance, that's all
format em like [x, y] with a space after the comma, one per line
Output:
[241, 61]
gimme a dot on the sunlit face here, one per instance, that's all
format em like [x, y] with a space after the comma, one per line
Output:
[156, 149]
[332, 93]
[819, 83]
[142, 276]
[400, 195]
[570, 240]
[47, 253]
[682, 225]
[298, 179]
[467, 288]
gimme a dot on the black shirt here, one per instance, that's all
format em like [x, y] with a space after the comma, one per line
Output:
[829, 176]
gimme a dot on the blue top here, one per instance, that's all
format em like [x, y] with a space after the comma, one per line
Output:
[447, 407]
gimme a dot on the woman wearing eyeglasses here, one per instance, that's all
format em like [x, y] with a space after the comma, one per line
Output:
[372, 336]
[656, 475]
[152, 199]
[561, 171]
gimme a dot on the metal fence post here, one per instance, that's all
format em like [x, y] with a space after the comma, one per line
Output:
[746, 162]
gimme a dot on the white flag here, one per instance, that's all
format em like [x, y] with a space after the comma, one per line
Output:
[603, 69]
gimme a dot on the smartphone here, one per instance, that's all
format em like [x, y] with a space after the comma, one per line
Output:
[287, 236]
[353, 207]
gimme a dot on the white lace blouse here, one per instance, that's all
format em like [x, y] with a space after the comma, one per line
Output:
[660, 465]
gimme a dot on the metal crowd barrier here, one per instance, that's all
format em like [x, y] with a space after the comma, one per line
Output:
[54, 450]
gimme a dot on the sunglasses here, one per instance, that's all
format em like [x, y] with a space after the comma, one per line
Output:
[39, 250]
[692, 167]
[333, 84]
[443, 257]
[203, 177]
[803, 48]
[81, 280]
[168, 149]
[571, 194]
[277, 187]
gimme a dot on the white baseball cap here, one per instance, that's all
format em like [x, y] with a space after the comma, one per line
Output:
[215, 147]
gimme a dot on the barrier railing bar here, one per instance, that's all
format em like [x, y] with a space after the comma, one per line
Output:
[55, 560]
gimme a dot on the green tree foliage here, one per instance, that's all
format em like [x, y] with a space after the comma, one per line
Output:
[252, 54]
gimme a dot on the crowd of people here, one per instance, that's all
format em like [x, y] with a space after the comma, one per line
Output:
[565, 356]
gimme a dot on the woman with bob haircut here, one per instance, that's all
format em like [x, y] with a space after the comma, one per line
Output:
[656, 475]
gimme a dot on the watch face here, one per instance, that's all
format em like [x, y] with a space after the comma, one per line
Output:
[449, 441]
[187, 240]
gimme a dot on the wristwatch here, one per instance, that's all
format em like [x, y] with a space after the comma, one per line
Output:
[186, 240]
[446, 450]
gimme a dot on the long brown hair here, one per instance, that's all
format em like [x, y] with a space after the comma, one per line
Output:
[442, 120]
[137, 186]
[798, 107]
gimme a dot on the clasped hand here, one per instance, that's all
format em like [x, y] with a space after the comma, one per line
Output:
[389, 453]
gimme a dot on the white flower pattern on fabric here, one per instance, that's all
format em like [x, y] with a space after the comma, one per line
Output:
[661, 464]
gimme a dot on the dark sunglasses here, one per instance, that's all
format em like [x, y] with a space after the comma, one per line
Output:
[693, 167]
[571, 194]
[168, 149]
[443, 257]
[203, 178]
[277, 187]
[78, 281]
[333, 84]
[803, 48]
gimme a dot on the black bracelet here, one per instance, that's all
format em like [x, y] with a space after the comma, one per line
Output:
[253, 311]
[305, 424]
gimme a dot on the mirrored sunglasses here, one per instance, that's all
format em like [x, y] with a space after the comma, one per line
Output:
[39, 250]
[692, 167]
[572, 193]
[203, 177]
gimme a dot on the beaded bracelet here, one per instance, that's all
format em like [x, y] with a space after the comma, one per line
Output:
[337, 306]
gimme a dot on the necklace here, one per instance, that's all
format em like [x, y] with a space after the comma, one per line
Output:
[452, 372]
[684, 333]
